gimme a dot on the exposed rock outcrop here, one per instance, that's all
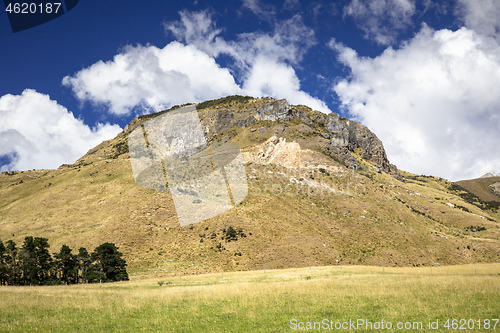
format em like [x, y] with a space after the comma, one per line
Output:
[495, 188]
[278, 151]
[276, 111]
[344, 135]
[350, 135]
[215, 121]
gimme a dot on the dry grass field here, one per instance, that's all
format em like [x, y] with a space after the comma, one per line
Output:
[270, 301]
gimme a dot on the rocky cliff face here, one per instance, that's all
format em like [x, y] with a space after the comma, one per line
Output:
[343, 136]
[347, 136]
[495, 188]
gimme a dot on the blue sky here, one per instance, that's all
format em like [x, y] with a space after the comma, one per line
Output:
[423, 75]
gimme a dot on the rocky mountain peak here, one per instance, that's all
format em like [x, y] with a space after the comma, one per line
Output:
[338, 137]
[344, 136]
[489, 175]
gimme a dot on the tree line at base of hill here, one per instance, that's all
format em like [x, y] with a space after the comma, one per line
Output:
[32, 264]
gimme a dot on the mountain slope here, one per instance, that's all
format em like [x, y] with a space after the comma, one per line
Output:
[485, 188]
[321, 191]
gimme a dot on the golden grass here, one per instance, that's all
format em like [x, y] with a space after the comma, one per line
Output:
[256, 301]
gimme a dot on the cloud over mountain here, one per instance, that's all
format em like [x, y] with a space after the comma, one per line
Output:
[434, 102]
[150, 78]
[37, 132]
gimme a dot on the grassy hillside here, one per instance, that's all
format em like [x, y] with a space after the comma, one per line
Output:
[270, 301]
[480, 187]
[320, 213]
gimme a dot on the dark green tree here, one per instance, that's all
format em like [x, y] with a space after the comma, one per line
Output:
[95, 274]
[89, 272]
[110, 263]
[12, 263]
[27, 262]
[3, 264]
[36, 261]
[32, 264]
[67, 265]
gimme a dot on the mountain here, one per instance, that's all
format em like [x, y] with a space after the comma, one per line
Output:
[486, 188]
[489, 174]
[321, 191]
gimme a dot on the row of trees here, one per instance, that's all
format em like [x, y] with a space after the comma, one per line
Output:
[32, 264]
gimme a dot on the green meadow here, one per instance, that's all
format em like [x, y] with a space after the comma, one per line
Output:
[267, 301]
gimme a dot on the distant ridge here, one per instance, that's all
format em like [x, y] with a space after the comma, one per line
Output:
[489, 174]
[485, 188]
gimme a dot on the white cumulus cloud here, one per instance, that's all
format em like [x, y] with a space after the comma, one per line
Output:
[152, 78]
[483, 16]
[38, 133]
[270, 78]
[381, 20]
[186, 70]
[264, 62]
[434, 102]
